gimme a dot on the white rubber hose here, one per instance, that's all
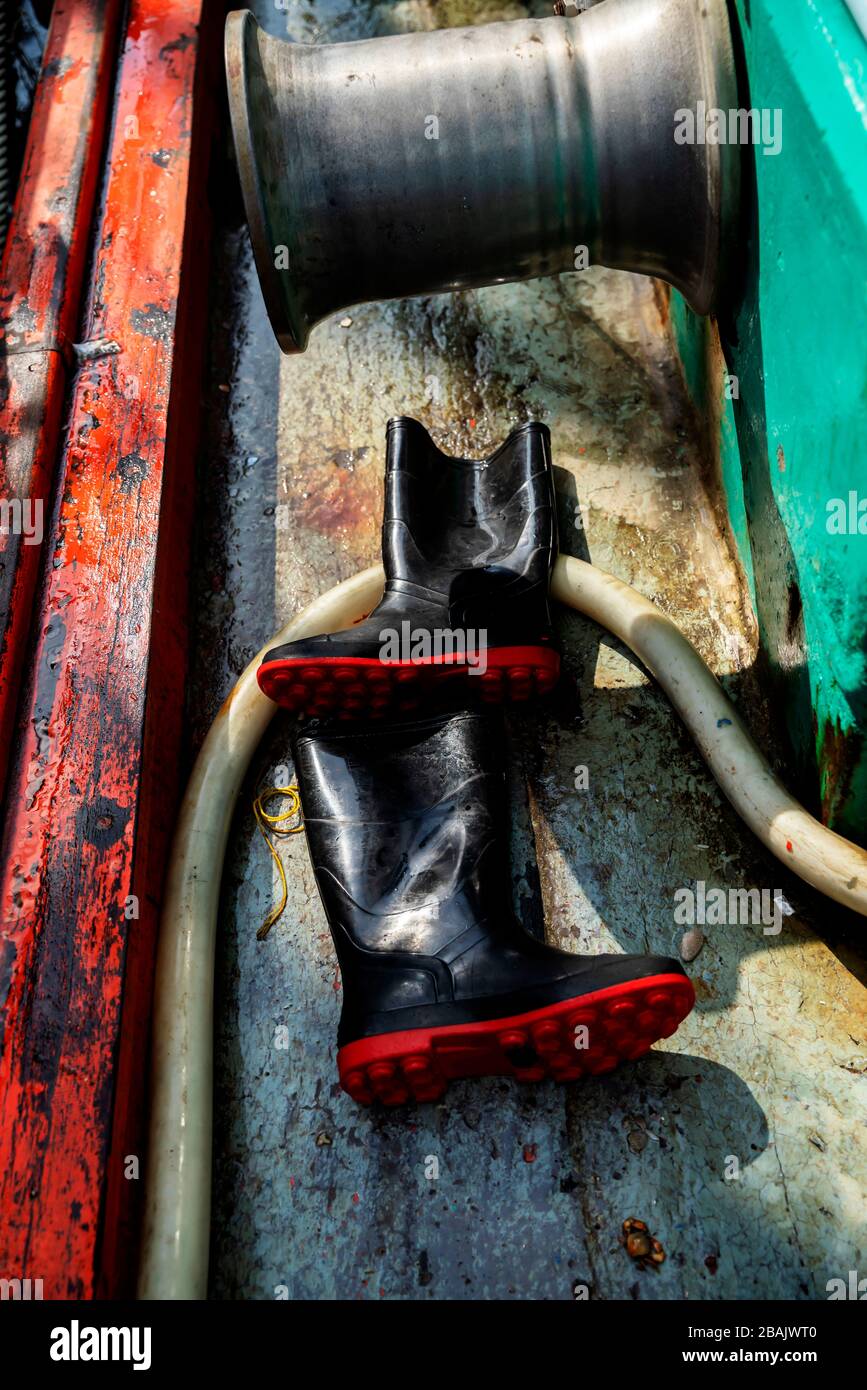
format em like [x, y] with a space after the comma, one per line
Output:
[174, 1263]
[177, 1217]
[816, 854]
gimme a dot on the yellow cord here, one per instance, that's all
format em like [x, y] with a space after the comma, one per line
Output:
[269, 821]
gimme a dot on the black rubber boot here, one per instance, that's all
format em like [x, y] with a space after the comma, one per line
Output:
[407, 831]
[468, 547]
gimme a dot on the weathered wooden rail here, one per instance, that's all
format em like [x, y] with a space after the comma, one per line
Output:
[93, 779]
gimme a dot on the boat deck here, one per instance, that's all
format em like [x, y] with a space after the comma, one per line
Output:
[740, 1141]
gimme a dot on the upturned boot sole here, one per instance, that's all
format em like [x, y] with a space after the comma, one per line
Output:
[367, 688]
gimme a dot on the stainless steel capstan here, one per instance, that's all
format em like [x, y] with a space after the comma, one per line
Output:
[434, 161]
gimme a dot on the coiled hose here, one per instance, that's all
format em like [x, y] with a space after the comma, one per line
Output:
[174, 1262]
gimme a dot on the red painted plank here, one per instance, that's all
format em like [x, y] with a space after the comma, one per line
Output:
[40, 301]
[93, 789]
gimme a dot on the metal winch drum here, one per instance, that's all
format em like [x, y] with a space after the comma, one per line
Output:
[418, 163]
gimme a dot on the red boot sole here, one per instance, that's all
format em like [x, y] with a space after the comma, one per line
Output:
[622, 1023]
[367, 688]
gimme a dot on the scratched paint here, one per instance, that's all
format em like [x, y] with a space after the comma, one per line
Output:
[791, 440]
[40, 294]
[318, 1198]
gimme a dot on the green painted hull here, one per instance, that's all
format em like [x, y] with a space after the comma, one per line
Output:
[789, 433]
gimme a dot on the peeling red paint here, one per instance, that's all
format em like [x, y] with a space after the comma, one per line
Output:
[93, 787]
[40, 294]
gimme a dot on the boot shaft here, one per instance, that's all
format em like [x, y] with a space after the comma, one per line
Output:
[406, 829]
[476, 536]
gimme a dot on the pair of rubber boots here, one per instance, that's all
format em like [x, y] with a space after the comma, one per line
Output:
[406, 818]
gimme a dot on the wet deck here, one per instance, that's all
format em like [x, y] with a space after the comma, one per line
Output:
[740, 1141]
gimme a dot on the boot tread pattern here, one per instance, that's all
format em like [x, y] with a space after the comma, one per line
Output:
[622, 1023]
[366, 688]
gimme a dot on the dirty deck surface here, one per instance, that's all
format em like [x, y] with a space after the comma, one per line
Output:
[740, 1141]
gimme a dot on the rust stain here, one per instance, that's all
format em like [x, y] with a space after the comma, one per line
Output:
[839, 753]
[336, 498]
